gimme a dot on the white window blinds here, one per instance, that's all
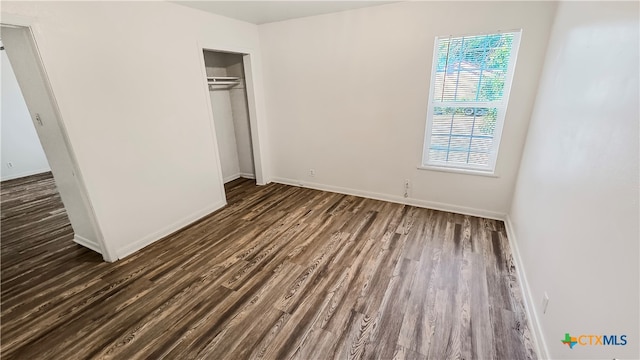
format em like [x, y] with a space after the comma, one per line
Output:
[471, 80]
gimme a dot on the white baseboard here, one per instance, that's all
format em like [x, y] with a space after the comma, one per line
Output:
[231, 178]
[90, 244]
[24, 174]
[530, 309]
[237, 176]
[151, 238]
[396, 199]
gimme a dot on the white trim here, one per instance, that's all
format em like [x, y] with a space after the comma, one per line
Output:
[534, 321]
[395, 199]
[239, 175]
[167, 230]
[458, 170]
[231, 178]
[25, 174]
[86, 243]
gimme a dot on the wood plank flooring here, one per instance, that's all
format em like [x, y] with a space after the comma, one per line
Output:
[280, 273]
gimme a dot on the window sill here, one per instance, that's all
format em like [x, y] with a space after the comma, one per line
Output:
[459, 171]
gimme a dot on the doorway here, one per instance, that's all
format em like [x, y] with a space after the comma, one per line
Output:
[227, 86]
[22, 52]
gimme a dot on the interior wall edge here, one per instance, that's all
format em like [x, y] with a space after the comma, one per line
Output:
[104, 247]
[532, 315]
[168, 230]
[395, 199]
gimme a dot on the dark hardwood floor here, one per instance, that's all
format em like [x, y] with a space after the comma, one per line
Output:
[281, 272]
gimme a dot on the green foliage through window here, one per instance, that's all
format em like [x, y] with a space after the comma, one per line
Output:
[471, 79]
[473, 68]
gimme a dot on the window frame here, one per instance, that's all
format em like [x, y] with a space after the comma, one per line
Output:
[501, 107]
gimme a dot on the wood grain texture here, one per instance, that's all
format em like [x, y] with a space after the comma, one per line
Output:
[280, 273]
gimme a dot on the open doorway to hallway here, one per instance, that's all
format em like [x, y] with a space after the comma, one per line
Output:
[37, 237]
[41, 145]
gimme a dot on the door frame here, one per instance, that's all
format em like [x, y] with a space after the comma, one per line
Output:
[255, 120]
[33, 34]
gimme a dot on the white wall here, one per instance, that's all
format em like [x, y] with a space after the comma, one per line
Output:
[347, 96]
[242, 130]
[575, 211]
[129, 82]
[20, 143]
[225, 133]
[241, 124]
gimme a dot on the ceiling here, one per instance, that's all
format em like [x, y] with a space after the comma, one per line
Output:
[262, 12]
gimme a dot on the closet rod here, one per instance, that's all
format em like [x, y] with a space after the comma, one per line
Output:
[223, 78]
[224, 82]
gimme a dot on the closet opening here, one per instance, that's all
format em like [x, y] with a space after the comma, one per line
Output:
[227, 84]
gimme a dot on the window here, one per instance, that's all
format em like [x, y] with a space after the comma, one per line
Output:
[470, 84]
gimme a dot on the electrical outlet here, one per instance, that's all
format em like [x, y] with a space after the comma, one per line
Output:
[545, 302]
[312, 172]
[407, 185]
[9, 164]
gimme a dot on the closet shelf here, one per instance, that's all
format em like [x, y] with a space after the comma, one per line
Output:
[223, 80]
